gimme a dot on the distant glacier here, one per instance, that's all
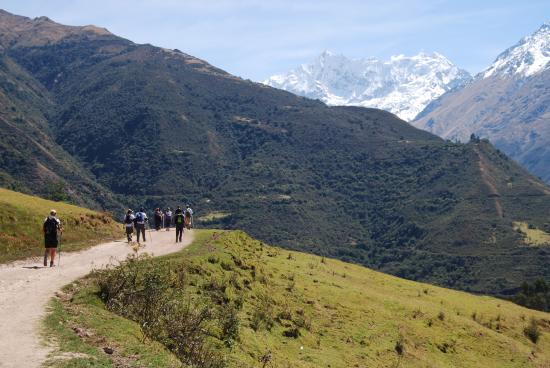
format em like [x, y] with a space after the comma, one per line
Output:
[403, 85]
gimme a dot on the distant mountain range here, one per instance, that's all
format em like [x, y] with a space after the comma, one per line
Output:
[403, 85]
[94, 117]
[509, 103]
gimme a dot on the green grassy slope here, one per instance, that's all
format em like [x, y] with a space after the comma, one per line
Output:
[158, 127]
[293, 310]
[21, 218]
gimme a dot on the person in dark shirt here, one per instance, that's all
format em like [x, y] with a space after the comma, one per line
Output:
[179, 221]
[51, 228]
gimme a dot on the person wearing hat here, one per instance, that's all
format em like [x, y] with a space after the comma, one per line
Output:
[139, 220]
[129, 224]
[51, 227]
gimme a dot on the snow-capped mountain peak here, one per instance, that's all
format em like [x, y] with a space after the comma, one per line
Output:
[529, 56]
[403, 84]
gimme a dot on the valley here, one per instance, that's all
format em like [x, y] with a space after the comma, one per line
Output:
[154, 127]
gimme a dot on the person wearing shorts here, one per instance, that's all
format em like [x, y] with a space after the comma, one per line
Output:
[51, 228]
[129, 224]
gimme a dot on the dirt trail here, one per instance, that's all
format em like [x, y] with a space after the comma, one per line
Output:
[26, 287]
[488, 180]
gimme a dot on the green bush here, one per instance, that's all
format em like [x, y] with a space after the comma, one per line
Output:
[263, 315]
[154, 295]
[532, 331]
[293, 332]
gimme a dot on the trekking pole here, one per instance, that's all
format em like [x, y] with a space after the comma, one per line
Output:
[59, 251]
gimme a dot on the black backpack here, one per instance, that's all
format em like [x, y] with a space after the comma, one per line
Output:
[128, 219]
[50, 226]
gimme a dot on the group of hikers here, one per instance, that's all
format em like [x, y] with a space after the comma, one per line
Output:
[180, 219]
[162, 220]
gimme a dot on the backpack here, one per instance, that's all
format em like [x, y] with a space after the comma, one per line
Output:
[139, 217]
[179, 218]
[50, 226]
[128, 219]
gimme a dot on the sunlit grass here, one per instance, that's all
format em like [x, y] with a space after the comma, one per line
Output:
[345, 315]
[217, 215]
[22, 216]
[533, 236]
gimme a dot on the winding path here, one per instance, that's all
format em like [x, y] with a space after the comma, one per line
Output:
[26, 287]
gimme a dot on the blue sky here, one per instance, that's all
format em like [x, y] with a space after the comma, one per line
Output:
[255, 39]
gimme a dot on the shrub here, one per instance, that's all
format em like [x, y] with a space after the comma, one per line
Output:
[293, 332]
[230, 325]
[227, 266]
[213, 259]
[262, 317]
[153, 295]
[532, 331]
[400, 345]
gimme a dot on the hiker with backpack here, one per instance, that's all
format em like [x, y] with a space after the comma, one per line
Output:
[179, 221]
[51, 228]
[139, 222]
[129, 224]
[188, 217]
[158, 219]
[168, 219]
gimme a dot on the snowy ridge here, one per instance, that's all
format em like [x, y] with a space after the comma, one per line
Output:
[529, 56]
[403, 85]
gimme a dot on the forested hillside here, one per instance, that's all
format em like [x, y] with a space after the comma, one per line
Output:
[31, 160]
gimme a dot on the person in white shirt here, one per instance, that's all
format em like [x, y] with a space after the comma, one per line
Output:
[168, 219]
[188, 217]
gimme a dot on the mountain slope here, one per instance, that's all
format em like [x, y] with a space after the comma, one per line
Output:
[403, 85]
[507, 103]
[31, 160]
[282, 309]
[159, 127]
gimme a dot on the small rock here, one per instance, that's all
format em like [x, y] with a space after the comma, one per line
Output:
[108, 350]
[81, 332]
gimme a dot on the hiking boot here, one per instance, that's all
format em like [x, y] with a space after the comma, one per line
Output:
[51, 264]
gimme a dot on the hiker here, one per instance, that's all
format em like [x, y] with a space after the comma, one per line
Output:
[188, 217]
[158, 219]
[52, 225]
[179, 221]
[139, 221]
[129, 224]
[168, 219]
